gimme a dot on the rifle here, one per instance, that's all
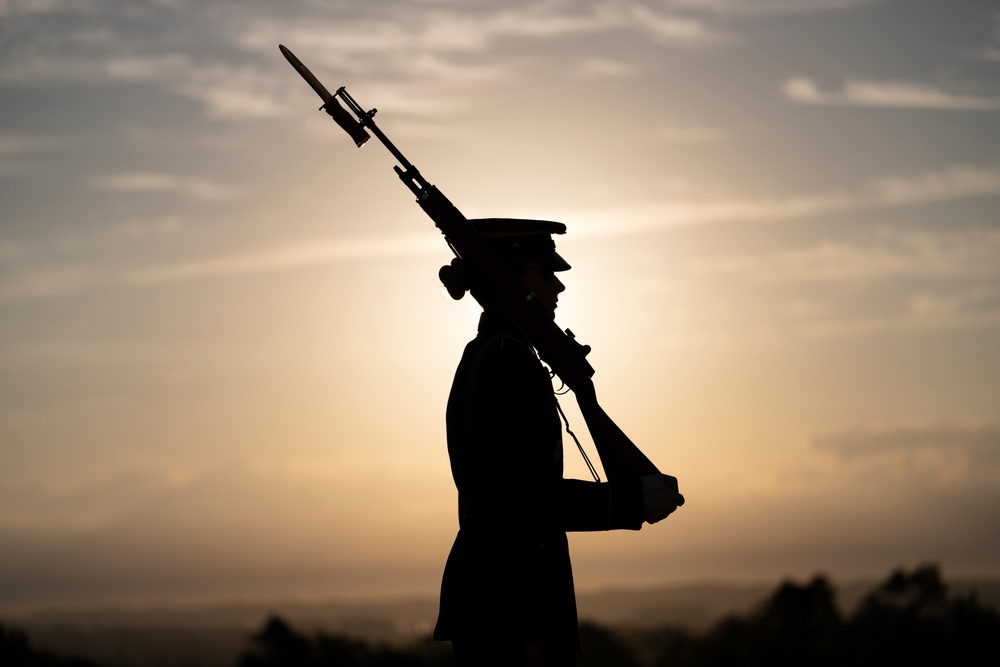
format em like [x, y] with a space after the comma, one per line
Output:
[495, 284]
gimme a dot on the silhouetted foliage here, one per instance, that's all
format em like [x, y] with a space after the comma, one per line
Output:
[908, 619]
[667, 646]
[16, 651]
[600, 647]
[797, 625]
[277, 644]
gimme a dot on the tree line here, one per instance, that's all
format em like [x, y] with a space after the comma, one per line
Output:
[908, 619]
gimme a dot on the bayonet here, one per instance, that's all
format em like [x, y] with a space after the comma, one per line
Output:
[330, 103]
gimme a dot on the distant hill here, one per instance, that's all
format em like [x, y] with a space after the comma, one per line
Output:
[698, 606]
[213, 636]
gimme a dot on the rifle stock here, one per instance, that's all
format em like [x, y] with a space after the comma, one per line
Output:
[495, 285]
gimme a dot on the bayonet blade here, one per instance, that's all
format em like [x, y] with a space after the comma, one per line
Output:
[310, 78]
[330, 104]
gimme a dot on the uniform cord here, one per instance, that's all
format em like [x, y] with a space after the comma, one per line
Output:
[590, 466]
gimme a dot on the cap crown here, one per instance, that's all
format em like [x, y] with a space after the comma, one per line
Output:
[518, 238]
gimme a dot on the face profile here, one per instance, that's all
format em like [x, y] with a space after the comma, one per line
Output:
[542, 280]
[527, 247]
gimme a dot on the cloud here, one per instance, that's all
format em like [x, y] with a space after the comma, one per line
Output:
[690, 134]
[952, 183]
[950, 453]
[226, 91]
[157, 67]
[982, 442]
[165, 224]
[910, 321]
[12, 8]
[963, 253]
[656, 216]
[233, 70]
[548, 20]
[151, 533]
[373, 41]
[604, 68]
[874, 281]
[285, 258]
[891, 94]
[768, 6]
[20, 144]
[968, 254]
[677, 30]
[152, 182]
[45, 283]
[15, 147]
[236, 93]
[990, 53]
[971, 254]
[886, 280]
[460, 44]
[83, 502]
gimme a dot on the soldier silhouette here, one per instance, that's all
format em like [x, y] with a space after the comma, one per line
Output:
[507, 594]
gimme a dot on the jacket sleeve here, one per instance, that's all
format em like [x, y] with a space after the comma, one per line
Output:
[590, 506]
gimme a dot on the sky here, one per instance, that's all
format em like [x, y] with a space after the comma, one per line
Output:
[225, 354]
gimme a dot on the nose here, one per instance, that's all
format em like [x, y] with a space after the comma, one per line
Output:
[558, 285]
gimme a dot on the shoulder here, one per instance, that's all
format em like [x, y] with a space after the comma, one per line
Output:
[496, 363]
[500, 351]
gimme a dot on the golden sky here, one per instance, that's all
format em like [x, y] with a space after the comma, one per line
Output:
[225, 354]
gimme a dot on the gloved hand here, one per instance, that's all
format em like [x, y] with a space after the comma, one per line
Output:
[660, 496]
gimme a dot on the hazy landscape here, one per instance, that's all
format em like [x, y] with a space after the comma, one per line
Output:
[217, 635]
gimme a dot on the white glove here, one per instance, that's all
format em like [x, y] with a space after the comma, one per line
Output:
[660, 496]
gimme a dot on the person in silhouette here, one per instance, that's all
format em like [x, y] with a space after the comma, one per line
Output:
[507, 594]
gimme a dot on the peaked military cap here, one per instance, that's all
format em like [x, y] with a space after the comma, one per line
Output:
[517, 238]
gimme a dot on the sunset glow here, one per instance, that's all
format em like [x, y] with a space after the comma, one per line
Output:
[225, 353]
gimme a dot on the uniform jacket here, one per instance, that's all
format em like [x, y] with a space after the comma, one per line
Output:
[508, 573]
